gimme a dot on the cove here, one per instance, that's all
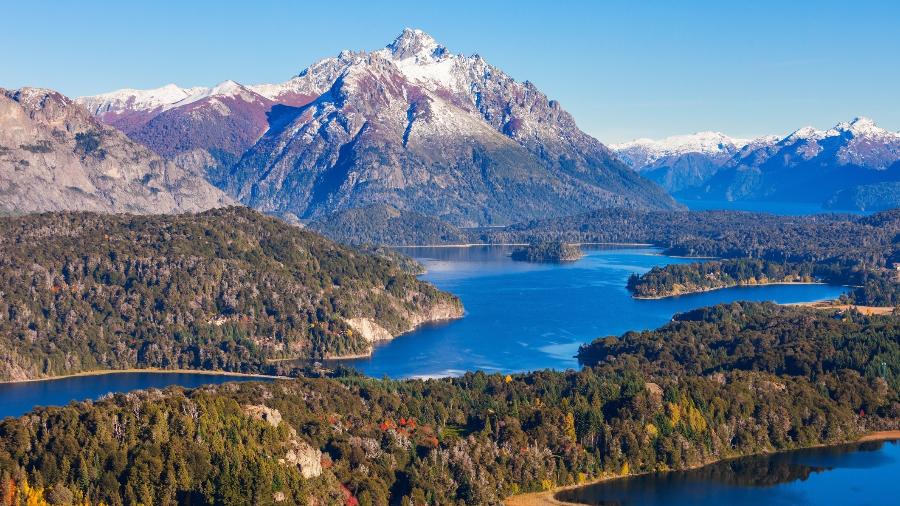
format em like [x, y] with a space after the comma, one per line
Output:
[853, 474]
[19, 398]
[524, 316]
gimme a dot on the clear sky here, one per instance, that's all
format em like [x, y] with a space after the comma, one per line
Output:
[623, 69]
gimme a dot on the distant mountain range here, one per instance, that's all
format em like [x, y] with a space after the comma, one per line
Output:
[854, 165]
[682, 161]
[55, 156]
[412, 126]
[411, 130]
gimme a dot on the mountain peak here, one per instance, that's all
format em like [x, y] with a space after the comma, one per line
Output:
[807, 132]
[860, 126]
[700, 142]
[227, 87]
[862, 121]
[414, 42]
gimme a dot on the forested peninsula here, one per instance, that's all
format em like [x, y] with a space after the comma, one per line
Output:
[715, 383]
[228, 289]
[680, 279]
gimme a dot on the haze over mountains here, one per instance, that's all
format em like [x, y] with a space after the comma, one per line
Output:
[853, 165]
[411, 125]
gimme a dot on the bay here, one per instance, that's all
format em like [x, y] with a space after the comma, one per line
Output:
[526, 316]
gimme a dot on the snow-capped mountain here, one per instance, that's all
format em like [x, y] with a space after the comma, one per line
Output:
[420, 128]
[809, 165]
[681, 161]
[121, 101]
[54, 155]
[199, 127]
[642, 153]
[411, 125]
[859, 142]
[208, 127]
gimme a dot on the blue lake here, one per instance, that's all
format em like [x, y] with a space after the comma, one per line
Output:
[855, 474]
[19, 398]
[519, 317]
[523, 316]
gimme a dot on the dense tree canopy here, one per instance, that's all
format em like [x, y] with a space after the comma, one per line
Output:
[717, 382]
[548, 251]
[224, 289]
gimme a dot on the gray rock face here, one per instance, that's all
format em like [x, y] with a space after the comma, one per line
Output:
[55, 156]
[298, 452]
[421, 129]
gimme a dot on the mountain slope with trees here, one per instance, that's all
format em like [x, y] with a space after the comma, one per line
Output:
[227, 289]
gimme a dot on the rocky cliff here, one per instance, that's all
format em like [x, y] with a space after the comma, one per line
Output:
[55, 156]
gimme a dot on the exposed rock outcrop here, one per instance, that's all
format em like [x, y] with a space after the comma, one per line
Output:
[55, 156]
[304, 456]
[370, 330]
[263, 413]
[298, 452]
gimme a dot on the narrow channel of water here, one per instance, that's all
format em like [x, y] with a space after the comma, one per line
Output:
[19, 398]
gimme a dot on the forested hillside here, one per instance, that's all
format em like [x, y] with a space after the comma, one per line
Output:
[716, 383]
[224, 289]
[749, 336]
[384, 224]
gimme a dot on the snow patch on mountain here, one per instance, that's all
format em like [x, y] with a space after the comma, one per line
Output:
[225, 89]
[129, 99]
[642, 152]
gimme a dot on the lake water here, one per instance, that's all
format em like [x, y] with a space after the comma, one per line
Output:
[19, 398]
[519, 317]
[856, 474]
[523, 316]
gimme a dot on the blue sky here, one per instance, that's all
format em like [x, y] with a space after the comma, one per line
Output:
[623, 69]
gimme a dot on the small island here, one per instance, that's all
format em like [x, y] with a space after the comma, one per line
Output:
[548, 251]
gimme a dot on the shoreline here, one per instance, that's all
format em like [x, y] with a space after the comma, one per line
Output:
[744, 285]
[548, 497]
[149, 370]
[376, 343]
[476, 244]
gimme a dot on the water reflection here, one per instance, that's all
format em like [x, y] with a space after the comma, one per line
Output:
[863, 473]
